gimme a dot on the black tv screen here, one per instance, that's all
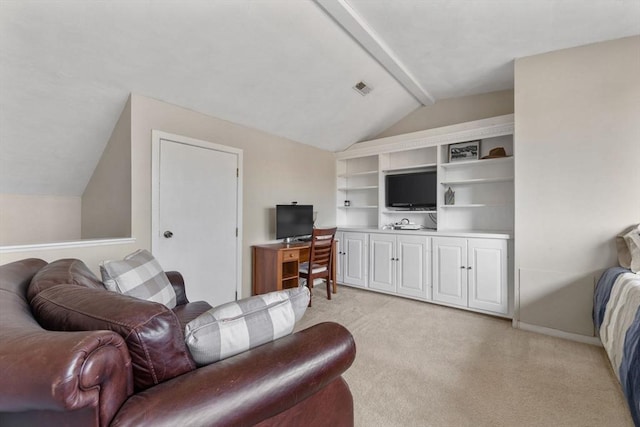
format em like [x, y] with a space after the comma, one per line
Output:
[412, 190]
[293, 221]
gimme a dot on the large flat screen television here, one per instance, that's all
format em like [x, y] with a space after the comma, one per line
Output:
[412, 190]
[293, 221]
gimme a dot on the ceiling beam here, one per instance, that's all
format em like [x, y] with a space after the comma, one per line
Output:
[358, 28]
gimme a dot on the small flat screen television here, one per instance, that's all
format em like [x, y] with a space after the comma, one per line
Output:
[412, 190]
[293, 221]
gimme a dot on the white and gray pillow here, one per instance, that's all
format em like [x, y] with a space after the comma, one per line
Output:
[628, 245]
[238, 326]
[139, 275]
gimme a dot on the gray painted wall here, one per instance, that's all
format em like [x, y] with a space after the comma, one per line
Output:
[577, 175]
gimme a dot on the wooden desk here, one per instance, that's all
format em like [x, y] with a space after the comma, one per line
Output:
[275, 266]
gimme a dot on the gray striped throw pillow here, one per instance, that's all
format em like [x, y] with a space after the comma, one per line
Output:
[238, 326]
[139, 275]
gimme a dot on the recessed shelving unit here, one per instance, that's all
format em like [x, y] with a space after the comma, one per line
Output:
[475, 232]
[484, 188]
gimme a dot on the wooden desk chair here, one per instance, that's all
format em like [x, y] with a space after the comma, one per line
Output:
[320, 259]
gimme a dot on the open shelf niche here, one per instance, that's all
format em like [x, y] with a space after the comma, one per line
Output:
[484, 191]
[406, 161]
[357, 195]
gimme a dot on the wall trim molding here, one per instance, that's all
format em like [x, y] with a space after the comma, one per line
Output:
[557, 333]
[477, 129]
[66, 245]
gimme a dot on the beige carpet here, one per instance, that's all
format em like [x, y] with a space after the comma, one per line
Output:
[421, 364]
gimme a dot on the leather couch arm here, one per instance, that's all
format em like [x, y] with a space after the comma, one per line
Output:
[247, 388]
[63, 371]
[177, 281]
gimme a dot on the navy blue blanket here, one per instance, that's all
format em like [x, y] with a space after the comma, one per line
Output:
[629, 369]
[603, 292]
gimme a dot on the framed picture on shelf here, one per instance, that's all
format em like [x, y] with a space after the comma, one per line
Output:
[463, 151]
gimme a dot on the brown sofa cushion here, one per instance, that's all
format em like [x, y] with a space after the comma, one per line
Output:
[62, 271]
[152, 332]
[187, 312]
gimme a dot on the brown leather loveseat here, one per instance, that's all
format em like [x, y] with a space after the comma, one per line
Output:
[73, 353]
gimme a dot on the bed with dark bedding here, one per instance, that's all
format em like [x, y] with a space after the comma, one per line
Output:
[617, 321]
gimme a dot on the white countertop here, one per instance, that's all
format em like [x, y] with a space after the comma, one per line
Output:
[488, 234]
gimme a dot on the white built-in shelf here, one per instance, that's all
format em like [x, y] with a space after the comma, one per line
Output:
[410, 168]
[473, 205]
[485, 162]
[367, 187]
[484, 187]
[355, 227]
[365, 173]
[390, 211]
[477, 180]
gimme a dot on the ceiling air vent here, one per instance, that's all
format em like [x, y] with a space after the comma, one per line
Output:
[362, 88]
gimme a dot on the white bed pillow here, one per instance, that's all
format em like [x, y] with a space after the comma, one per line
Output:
[238, 326]
[628, 244]
[139, 275]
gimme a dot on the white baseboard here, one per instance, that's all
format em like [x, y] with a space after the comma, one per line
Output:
[558, 333]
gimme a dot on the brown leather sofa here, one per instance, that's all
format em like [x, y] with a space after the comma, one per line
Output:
[73, 353]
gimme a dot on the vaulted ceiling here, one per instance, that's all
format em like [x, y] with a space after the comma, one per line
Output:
[286, 67]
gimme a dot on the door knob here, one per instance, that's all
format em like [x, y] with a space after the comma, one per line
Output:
[168, 234]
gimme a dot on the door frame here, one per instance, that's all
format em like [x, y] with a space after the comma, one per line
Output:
[156, 136]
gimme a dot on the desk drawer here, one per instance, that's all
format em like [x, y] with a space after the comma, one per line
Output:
[292, 255]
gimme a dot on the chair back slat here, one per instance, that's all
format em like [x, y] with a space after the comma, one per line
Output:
[321, 248]
[320, 257]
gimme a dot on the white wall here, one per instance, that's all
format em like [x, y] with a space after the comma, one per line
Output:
[26, 219]
[276, 170]
[446, 112]
[106, 201]
[577, 176]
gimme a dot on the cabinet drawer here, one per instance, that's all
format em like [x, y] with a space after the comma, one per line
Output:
[292, 255]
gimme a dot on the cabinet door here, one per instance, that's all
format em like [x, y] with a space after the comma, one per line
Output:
[412, 265]
[382, 262]
[450, 270]
[338, 257]
[355, 259]
[488, 275]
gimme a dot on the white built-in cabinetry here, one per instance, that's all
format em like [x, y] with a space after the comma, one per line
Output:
[351, 259]
[399, 264]
[461, 256]
[471, 273]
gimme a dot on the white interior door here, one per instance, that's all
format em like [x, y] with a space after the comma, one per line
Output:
[197, 215]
